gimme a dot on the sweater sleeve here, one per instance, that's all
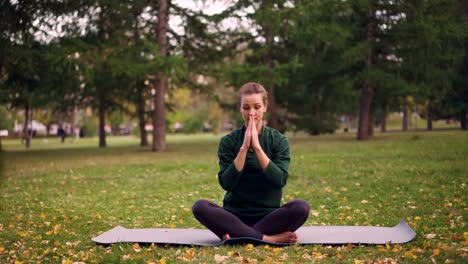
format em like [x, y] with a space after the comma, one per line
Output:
[277, 170]
[228, 176]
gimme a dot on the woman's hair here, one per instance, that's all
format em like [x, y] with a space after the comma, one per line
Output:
[253, 88]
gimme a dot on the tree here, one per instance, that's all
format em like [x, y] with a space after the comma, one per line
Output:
[5, 122]
[264, 46]
[319, 88]
[159, 115]
[431, 48]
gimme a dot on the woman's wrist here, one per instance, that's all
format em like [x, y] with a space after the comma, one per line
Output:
[257, 148]
[244, 148]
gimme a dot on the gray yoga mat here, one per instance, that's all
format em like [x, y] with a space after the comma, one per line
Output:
[329, 235]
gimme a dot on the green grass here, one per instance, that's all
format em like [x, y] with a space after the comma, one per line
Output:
[56, 197]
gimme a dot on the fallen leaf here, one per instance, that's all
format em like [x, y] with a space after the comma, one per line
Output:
[220, 259]
[276, 250]
[136, 247]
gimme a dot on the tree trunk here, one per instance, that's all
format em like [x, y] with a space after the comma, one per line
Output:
[404, 121]
[366, 90]
[159, 114]
[429, 116]
[463, 120]
[26, 134]
[140, 90]
[102, 121]
[141, 118]
[364, 111]
[268, 58]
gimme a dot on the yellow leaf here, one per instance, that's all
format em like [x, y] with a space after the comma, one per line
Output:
[190, 254]
[56, 228]
[233, 254]
[21, 233]
[436, 252]
[249, 246]
[162, 260]
[67, 261]
[43, 216]
[18, 262]
[410, 254]
[381, 248]
[276, 250]
[357, 261]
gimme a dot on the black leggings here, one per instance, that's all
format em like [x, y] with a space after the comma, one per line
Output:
[289, 217]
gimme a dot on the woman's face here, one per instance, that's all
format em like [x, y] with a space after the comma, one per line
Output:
[252, 106]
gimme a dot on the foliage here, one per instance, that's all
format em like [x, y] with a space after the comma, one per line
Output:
[186, 111]
[89, 126]
[6, 121]
[321, 89]
[432, 36]
[55, 199]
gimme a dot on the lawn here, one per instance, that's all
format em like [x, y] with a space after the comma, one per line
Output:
[56, 197]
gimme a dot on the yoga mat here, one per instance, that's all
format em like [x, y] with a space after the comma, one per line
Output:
[330, 235]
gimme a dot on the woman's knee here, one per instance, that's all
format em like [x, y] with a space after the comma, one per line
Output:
[300, 207]
[200, 207]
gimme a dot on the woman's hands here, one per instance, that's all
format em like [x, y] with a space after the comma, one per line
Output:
[251, 141]
[248, 136]
[251, 136]
[254, 143]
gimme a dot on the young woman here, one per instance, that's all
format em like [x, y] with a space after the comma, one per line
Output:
[254, 162]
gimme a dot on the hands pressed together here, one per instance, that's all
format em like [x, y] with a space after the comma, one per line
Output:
[251, 135]
[251, 141]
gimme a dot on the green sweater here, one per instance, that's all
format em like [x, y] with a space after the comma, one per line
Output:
[253, 192]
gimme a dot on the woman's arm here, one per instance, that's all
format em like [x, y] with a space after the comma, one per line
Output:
[262, 158]
[276, 170]
[231, 165]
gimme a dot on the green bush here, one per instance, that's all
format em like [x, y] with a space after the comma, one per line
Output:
[6, 121]
[89, 126]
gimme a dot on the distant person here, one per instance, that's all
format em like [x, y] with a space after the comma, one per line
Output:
[254, 162]
[61, 133]
[82, 133]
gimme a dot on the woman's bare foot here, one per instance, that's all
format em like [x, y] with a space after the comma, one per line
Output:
[226, 237]
[285, 237]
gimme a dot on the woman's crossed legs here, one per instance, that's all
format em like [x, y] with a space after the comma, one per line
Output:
[277, 226]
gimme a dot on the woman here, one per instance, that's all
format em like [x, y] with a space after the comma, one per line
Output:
[254, 163]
